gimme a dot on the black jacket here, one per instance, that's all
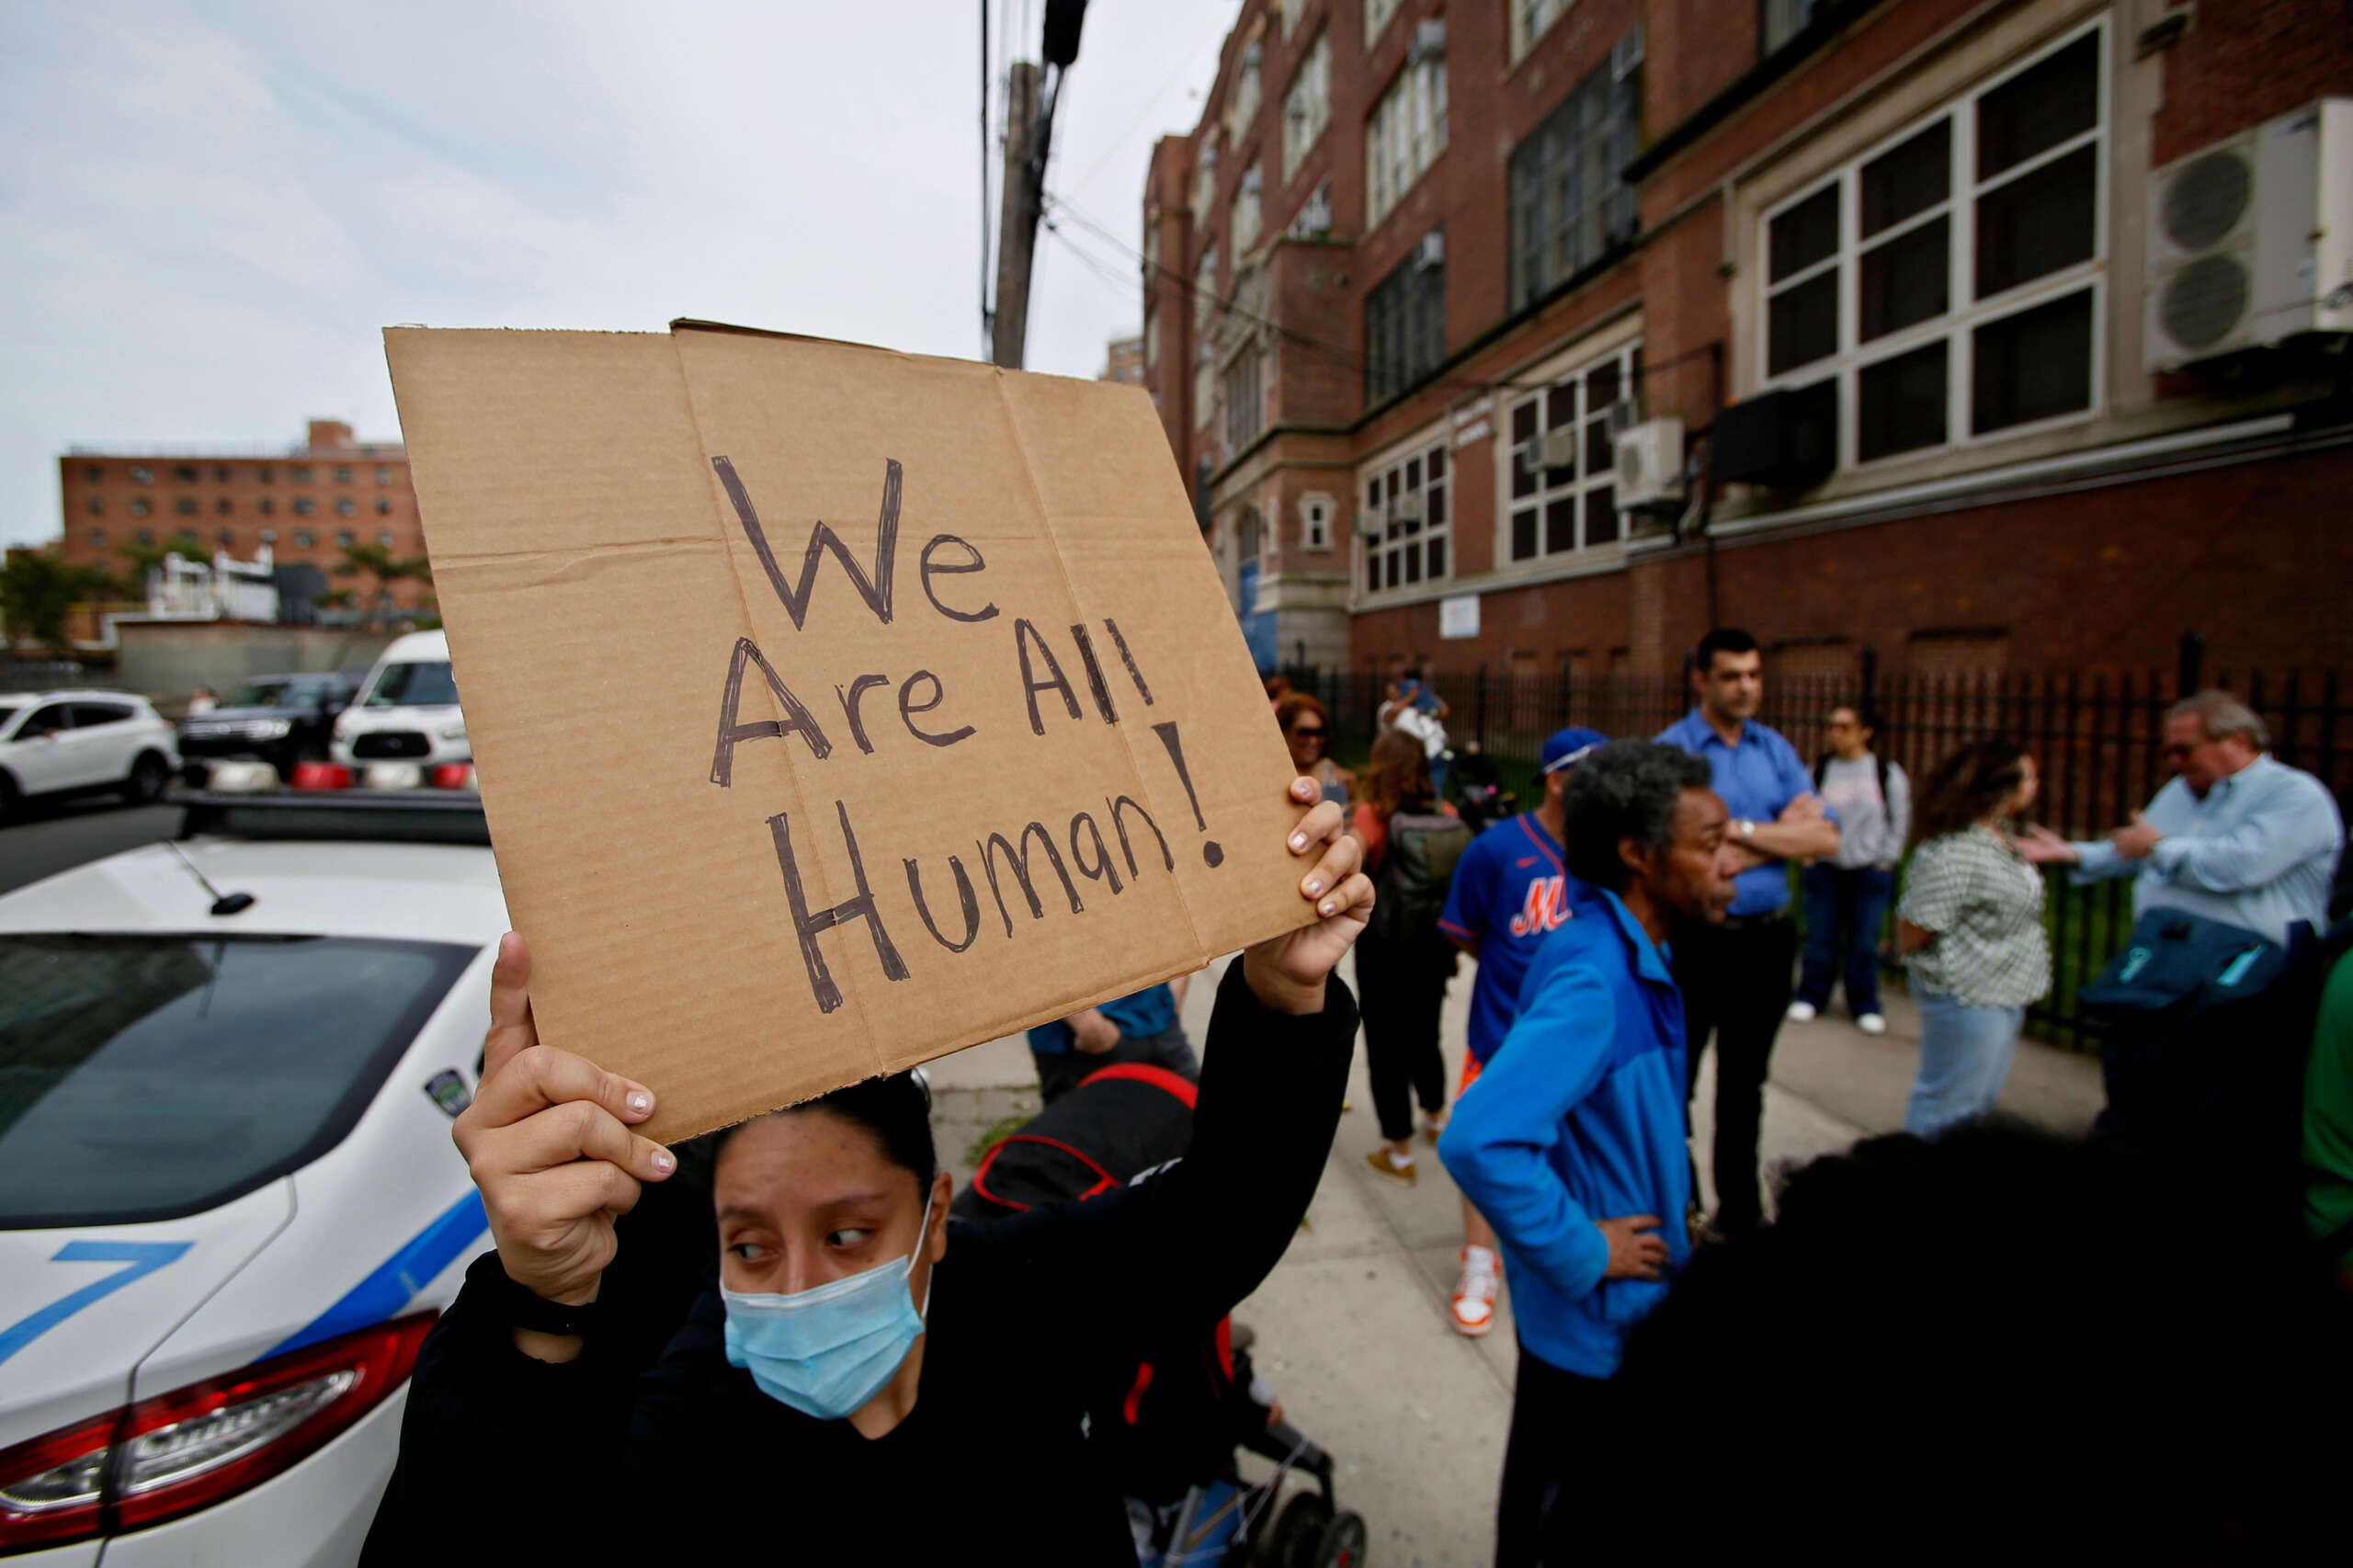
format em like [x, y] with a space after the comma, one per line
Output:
[651, 1443]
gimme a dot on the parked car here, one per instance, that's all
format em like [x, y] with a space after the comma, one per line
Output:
[229, 1204]
[69, 743]
[406, 710]
[280, 719]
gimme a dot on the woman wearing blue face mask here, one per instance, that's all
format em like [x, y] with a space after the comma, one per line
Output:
[854, 1376]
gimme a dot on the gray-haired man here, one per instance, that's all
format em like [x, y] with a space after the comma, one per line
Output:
[2233, 836]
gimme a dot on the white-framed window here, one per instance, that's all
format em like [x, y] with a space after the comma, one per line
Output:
[1952, 278]
[1404, 321]
[1562, 495]
[1530, 19]
[1569, 209]
[1205, 184]
[1408, 513]
[1316, 513]
[1307, 107]
[1404, 135]
[1250, 212]
[1242, 103]
[1246, 408]
[1289, 11]
[1376, 17]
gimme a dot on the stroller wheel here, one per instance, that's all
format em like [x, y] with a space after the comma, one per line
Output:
[1297, 1539]
[1343, 1545]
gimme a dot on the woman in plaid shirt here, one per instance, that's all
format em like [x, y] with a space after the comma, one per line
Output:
[1972, 920]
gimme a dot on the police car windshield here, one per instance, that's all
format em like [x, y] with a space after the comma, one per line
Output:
[148, 1075]
[423, 684]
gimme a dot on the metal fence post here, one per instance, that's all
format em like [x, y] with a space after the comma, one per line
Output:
[2191, 669]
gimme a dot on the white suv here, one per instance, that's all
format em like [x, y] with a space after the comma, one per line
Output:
[66, 742]
[406, 710]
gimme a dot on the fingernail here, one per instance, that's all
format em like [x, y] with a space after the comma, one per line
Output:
[1313, 888]
[1331, 906]
[1299, 841]
[639, 1102]
[665, 1162]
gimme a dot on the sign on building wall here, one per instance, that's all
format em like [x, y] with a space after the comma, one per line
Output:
[1457, 617]
[834, 709]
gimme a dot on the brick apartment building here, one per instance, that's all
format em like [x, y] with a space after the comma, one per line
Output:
[306, 502]
[1890, 265]
[1123, 361]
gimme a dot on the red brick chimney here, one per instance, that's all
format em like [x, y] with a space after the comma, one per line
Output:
[329, 433]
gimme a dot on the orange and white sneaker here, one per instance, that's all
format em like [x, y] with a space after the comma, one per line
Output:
[1475, 1293]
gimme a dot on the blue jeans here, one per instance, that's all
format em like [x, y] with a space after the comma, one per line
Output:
[1844, 910]
[1964, 1055]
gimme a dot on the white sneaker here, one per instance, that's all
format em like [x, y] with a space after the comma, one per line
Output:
[1475, 1293]
[1799, 1013]
[1872, 1023]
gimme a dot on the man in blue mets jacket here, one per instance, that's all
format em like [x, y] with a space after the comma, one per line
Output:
[1572, 1141]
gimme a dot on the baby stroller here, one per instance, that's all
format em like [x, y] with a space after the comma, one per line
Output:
[1168, 1432]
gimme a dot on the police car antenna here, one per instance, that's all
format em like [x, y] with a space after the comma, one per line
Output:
[222, 902]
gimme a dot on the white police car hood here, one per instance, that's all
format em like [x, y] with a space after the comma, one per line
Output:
[82, 1306]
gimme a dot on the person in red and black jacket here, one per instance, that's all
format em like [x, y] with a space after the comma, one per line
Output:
[856, 1378]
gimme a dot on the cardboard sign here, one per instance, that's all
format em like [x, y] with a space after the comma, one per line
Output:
[834, 709]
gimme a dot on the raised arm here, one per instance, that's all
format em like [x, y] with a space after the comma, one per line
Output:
[1179, 1249]
[2290, 827]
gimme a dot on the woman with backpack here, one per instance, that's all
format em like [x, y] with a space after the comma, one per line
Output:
[1404, 960]
[1971, 921]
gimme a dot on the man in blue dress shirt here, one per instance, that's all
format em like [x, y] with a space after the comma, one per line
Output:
[2233, 836]
[1736, 978]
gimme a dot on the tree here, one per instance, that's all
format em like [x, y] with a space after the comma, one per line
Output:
[379, 563]
[37, 590]
[144, 558]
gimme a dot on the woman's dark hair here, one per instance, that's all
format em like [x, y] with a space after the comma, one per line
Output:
[1398, 777]
[1291, 704]
[1628, 790]
[1967, 786]
[895, 1111]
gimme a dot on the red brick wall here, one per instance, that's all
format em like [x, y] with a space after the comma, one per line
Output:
[2247, 556]
[2243, 61]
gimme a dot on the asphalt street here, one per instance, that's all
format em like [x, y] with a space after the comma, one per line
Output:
[46, 838]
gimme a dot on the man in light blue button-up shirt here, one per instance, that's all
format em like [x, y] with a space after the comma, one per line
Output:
[2233, 836]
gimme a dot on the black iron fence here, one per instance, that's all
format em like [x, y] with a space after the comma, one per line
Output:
[2095, 735]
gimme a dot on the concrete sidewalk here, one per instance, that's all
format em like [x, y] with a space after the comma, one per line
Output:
[1354, 1328]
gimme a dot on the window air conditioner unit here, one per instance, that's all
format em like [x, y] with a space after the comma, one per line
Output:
[2251, 239]
[1626, 54]
[1370, 525]
[1406, 508]
[1649, 463]
[1430, 41]
[1251, 53]
[1431, 252]
[1558, 449]
[1252, 183]
[1786, 439]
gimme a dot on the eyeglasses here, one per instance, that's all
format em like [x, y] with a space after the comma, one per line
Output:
[1316, 734]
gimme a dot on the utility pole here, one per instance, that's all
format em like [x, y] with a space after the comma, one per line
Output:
[1016, 233]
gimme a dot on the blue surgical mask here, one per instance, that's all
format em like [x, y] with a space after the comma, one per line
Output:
[829, 1350]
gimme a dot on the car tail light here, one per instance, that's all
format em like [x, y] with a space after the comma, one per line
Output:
[320, 776]
[454, 776]
[188, 1449]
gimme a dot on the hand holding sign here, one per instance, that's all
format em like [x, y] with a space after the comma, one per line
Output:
[1287, 973]
[548, 1143]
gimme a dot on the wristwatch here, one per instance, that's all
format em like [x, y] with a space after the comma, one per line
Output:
[521, 1308]
[1748, 831]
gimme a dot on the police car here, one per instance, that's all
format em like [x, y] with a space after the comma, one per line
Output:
[229, 1204]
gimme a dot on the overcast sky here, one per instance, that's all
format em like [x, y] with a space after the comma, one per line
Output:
[208, 212]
